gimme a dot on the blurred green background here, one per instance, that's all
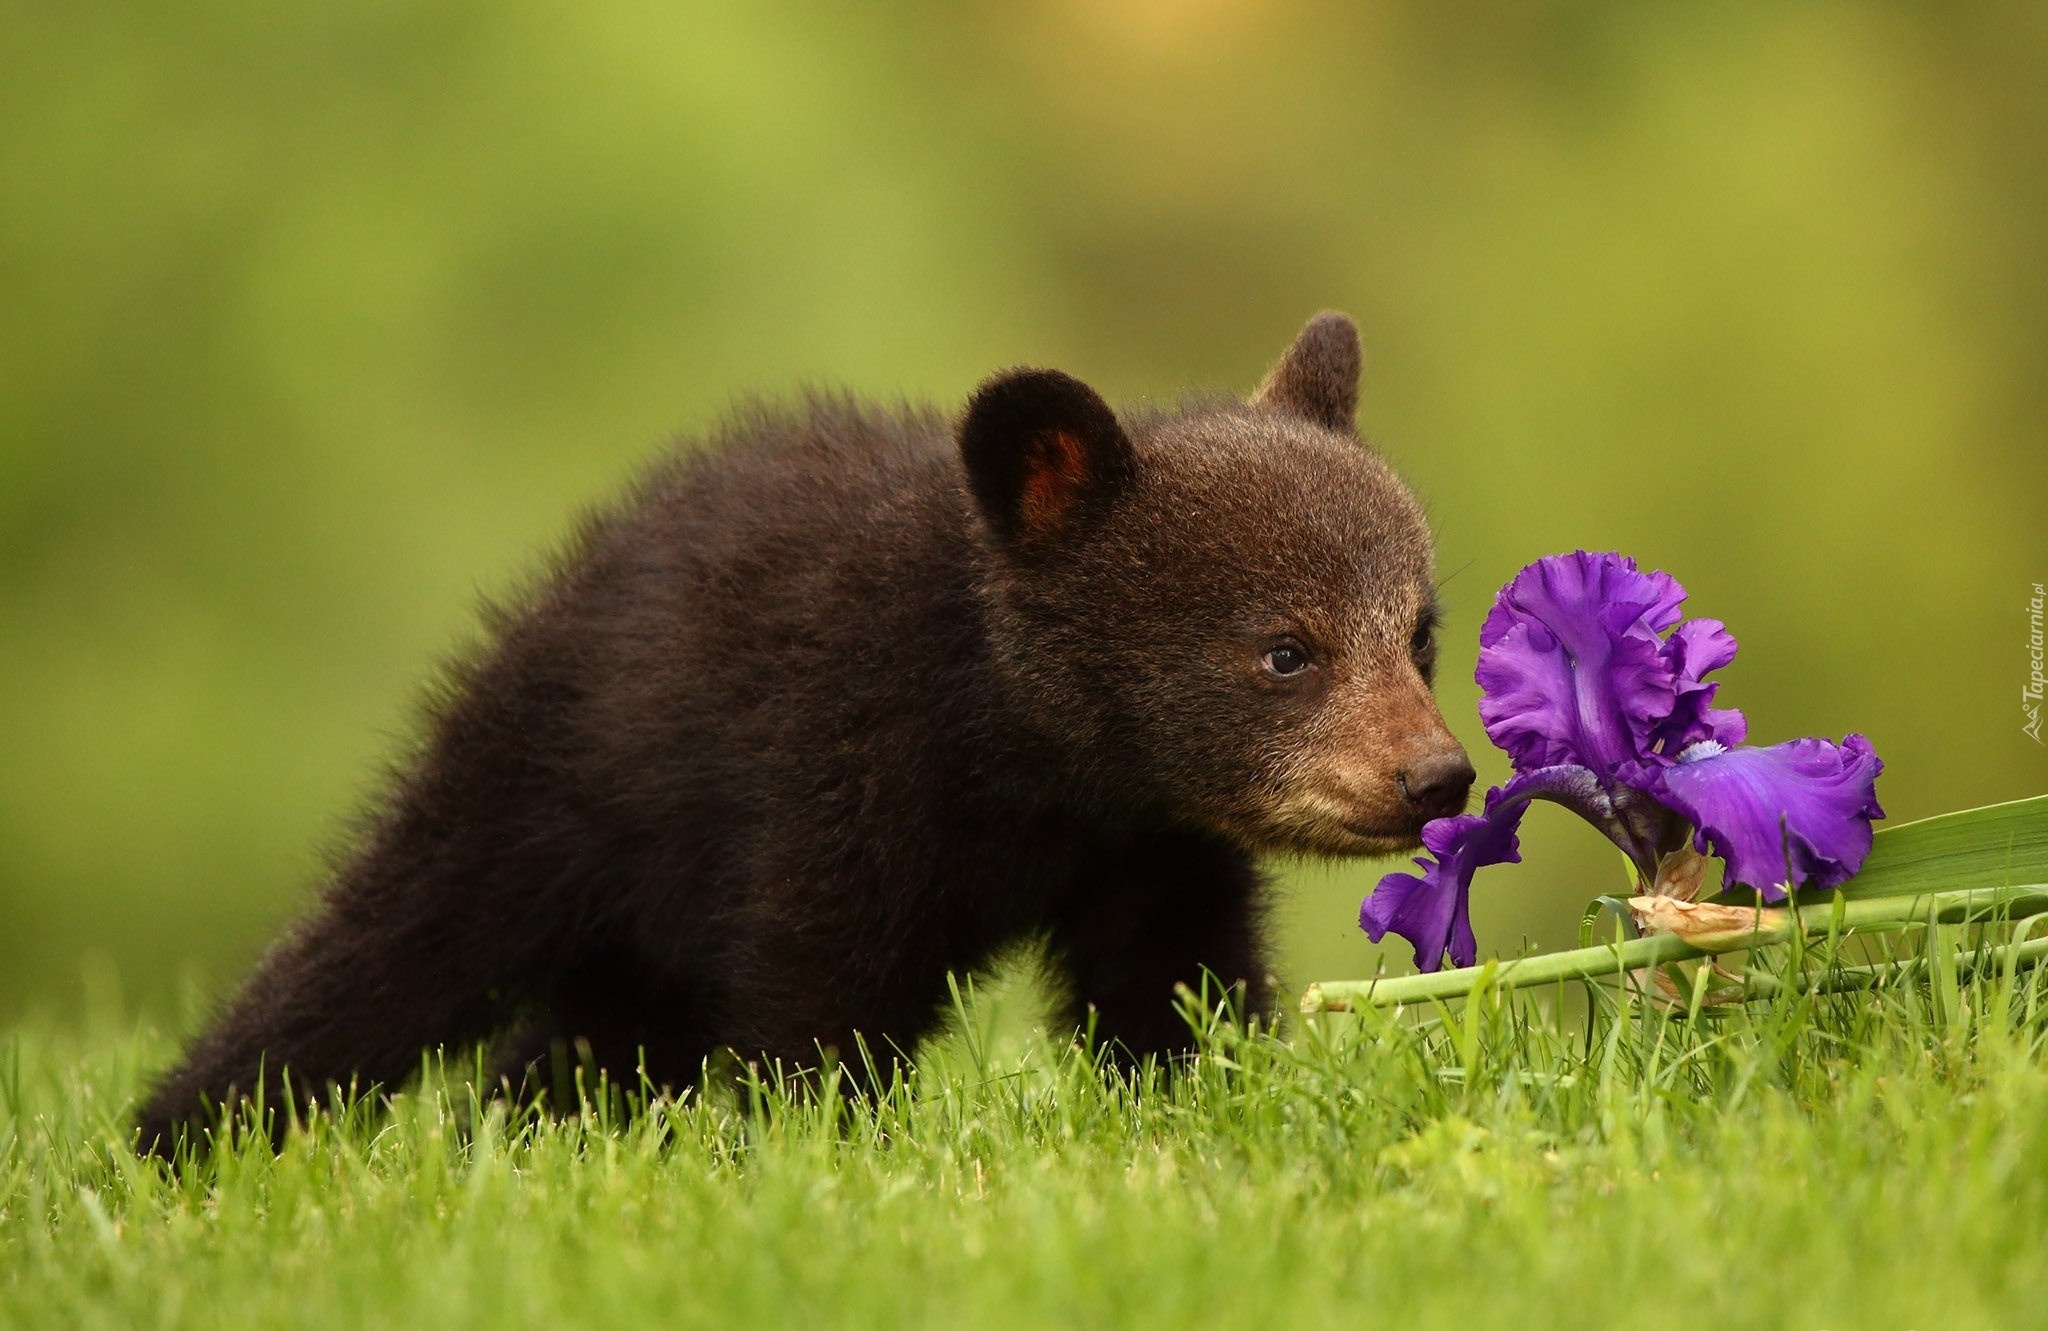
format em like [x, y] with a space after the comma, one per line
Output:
[318, 320]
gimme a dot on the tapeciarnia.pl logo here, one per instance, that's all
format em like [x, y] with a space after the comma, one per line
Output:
[2030, 696]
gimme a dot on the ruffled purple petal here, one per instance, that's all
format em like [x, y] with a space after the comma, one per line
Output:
[1781, 814]
[1582, 578]
[1695, 648]
[1571, 667]
[1430, 909]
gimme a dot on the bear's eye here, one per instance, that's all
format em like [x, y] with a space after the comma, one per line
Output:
[1422, 643]
[1424, 636]
[1286, 658]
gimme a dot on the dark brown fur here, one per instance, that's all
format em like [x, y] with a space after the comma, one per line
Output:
[820, 715]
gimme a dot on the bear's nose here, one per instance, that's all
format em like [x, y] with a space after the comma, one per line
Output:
[1438, 783]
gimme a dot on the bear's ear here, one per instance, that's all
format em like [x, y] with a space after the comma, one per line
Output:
[1318, 377]
[1045, 455]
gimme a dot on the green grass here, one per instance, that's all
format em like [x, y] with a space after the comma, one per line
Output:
[1868, 1159]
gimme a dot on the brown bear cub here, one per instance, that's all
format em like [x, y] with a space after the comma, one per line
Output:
[854, 699]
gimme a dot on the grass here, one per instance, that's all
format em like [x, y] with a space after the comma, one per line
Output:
[1827, 1160]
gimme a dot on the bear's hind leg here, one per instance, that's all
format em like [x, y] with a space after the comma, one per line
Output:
[351, 998]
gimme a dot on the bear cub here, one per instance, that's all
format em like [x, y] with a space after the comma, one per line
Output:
[851, 699]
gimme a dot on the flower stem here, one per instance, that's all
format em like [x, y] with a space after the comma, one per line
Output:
[1616, 959]
[1583, 963]
[1838, 978]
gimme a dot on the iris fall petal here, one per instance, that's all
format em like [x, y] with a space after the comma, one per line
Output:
[1801, 808]
[1430, 909]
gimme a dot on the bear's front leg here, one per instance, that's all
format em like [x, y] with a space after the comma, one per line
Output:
[1179, 910]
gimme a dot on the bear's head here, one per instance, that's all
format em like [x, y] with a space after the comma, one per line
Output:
[1224, 613]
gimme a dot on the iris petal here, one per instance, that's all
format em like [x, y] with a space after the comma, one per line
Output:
[1695, 648]
[1797, 812]
[1571, 667]
[1430, 909]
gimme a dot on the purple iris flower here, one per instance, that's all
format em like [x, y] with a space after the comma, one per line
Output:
[1597, 693]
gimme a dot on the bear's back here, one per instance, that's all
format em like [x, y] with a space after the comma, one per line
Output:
[791, 607]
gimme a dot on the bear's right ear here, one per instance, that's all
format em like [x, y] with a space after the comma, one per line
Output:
[1045, 455]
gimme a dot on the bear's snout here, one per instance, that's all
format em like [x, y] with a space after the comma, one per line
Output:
[1437, 784]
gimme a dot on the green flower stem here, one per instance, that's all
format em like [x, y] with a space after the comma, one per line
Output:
[1545, 968]
[1616, 959]
[1835, 979]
